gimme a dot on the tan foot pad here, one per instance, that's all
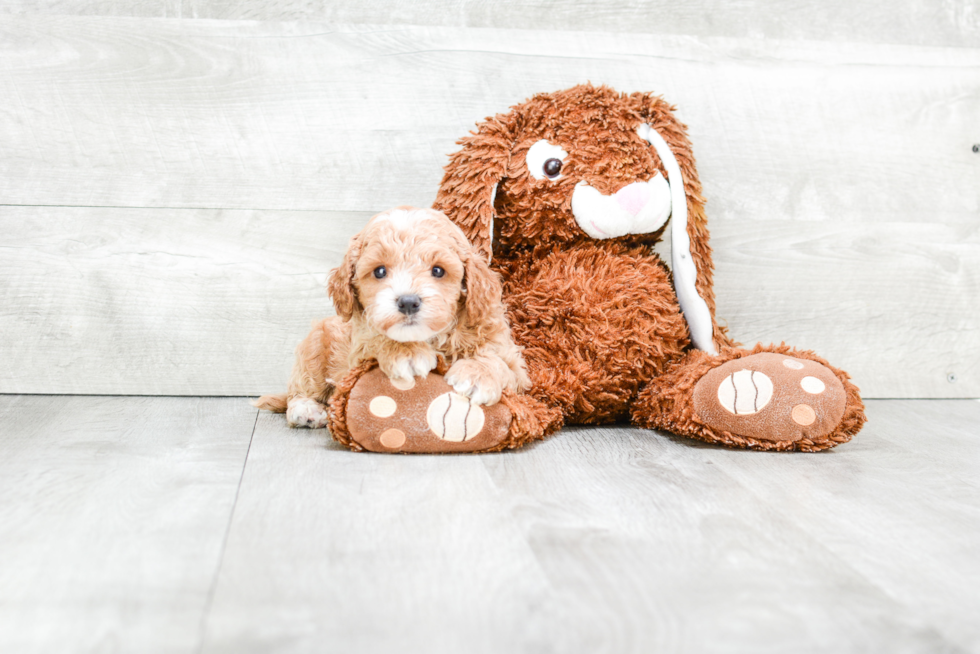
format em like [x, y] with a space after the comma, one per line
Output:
[771, 397]
[424, 415]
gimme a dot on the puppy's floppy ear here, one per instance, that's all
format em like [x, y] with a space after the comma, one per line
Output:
[340, 286]
[658, 115]
[468, 187]
[483, 290]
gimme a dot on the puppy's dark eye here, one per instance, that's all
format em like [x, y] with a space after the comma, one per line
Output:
[552, 168]
[380, 272]
[437, 271]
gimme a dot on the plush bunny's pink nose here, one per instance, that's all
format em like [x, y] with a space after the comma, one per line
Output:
[633, 197]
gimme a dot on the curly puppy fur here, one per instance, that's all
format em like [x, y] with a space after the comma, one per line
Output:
[596, 312]
[410, 289]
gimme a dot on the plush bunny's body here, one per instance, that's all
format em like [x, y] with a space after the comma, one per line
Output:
[566, 194]
[588, 338]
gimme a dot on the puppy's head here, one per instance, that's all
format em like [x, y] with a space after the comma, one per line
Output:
[410, 275]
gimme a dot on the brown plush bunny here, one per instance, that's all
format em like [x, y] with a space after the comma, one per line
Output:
[566, 194]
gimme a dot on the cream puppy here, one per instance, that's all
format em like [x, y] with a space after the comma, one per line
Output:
[410, 288]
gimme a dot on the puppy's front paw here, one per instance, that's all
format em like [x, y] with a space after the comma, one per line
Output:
[304, 412]
[475, 381]
[407, 368]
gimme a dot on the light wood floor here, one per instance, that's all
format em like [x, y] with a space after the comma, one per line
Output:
[136, 524]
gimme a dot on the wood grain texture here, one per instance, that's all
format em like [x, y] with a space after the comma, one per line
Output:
[893, 303]
[231, 114]
[842, 189]
[608, 540]
[161, 301]
[912, 22]
[183, 301]
[898, 505]
[114, 515]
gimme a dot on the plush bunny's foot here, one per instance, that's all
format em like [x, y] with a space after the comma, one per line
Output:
[772, 398]
[425, 415]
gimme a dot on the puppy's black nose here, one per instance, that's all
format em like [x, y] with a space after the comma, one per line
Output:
[409, 304]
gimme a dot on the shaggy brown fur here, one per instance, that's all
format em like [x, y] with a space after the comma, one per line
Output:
[631, 324]
[666, 403]
[603, 334]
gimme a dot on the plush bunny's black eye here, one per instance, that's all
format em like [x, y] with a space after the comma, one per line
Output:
[437, 271]
[380, 272]
[544, 160]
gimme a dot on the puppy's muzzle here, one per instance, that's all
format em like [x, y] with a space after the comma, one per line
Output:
[409, 304]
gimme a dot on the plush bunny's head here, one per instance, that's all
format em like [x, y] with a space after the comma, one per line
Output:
[584, 165]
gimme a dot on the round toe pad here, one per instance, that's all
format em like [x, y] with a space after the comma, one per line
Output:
[771, 397]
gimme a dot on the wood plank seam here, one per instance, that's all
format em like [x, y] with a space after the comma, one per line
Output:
[224, 543]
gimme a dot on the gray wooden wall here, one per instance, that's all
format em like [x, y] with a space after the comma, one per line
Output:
[178, 177]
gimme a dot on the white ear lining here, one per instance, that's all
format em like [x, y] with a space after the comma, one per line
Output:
[693, 306]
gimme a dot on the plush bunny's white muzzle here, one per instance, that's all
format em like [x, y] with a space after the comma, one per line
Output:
[638, 208]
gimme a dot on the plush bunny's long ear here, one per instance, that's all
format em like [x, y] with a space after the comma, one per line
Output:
[467, 191]
[691, 262]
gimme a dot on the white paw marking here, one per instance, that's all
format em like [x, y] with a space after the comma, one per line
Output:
[454, 417]
[485, 395]
[304, 412]
[418, 365]
[461, 387]
[745, 392]
[403, 384]
[812, 385]
[383, 406]
[473, 386]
